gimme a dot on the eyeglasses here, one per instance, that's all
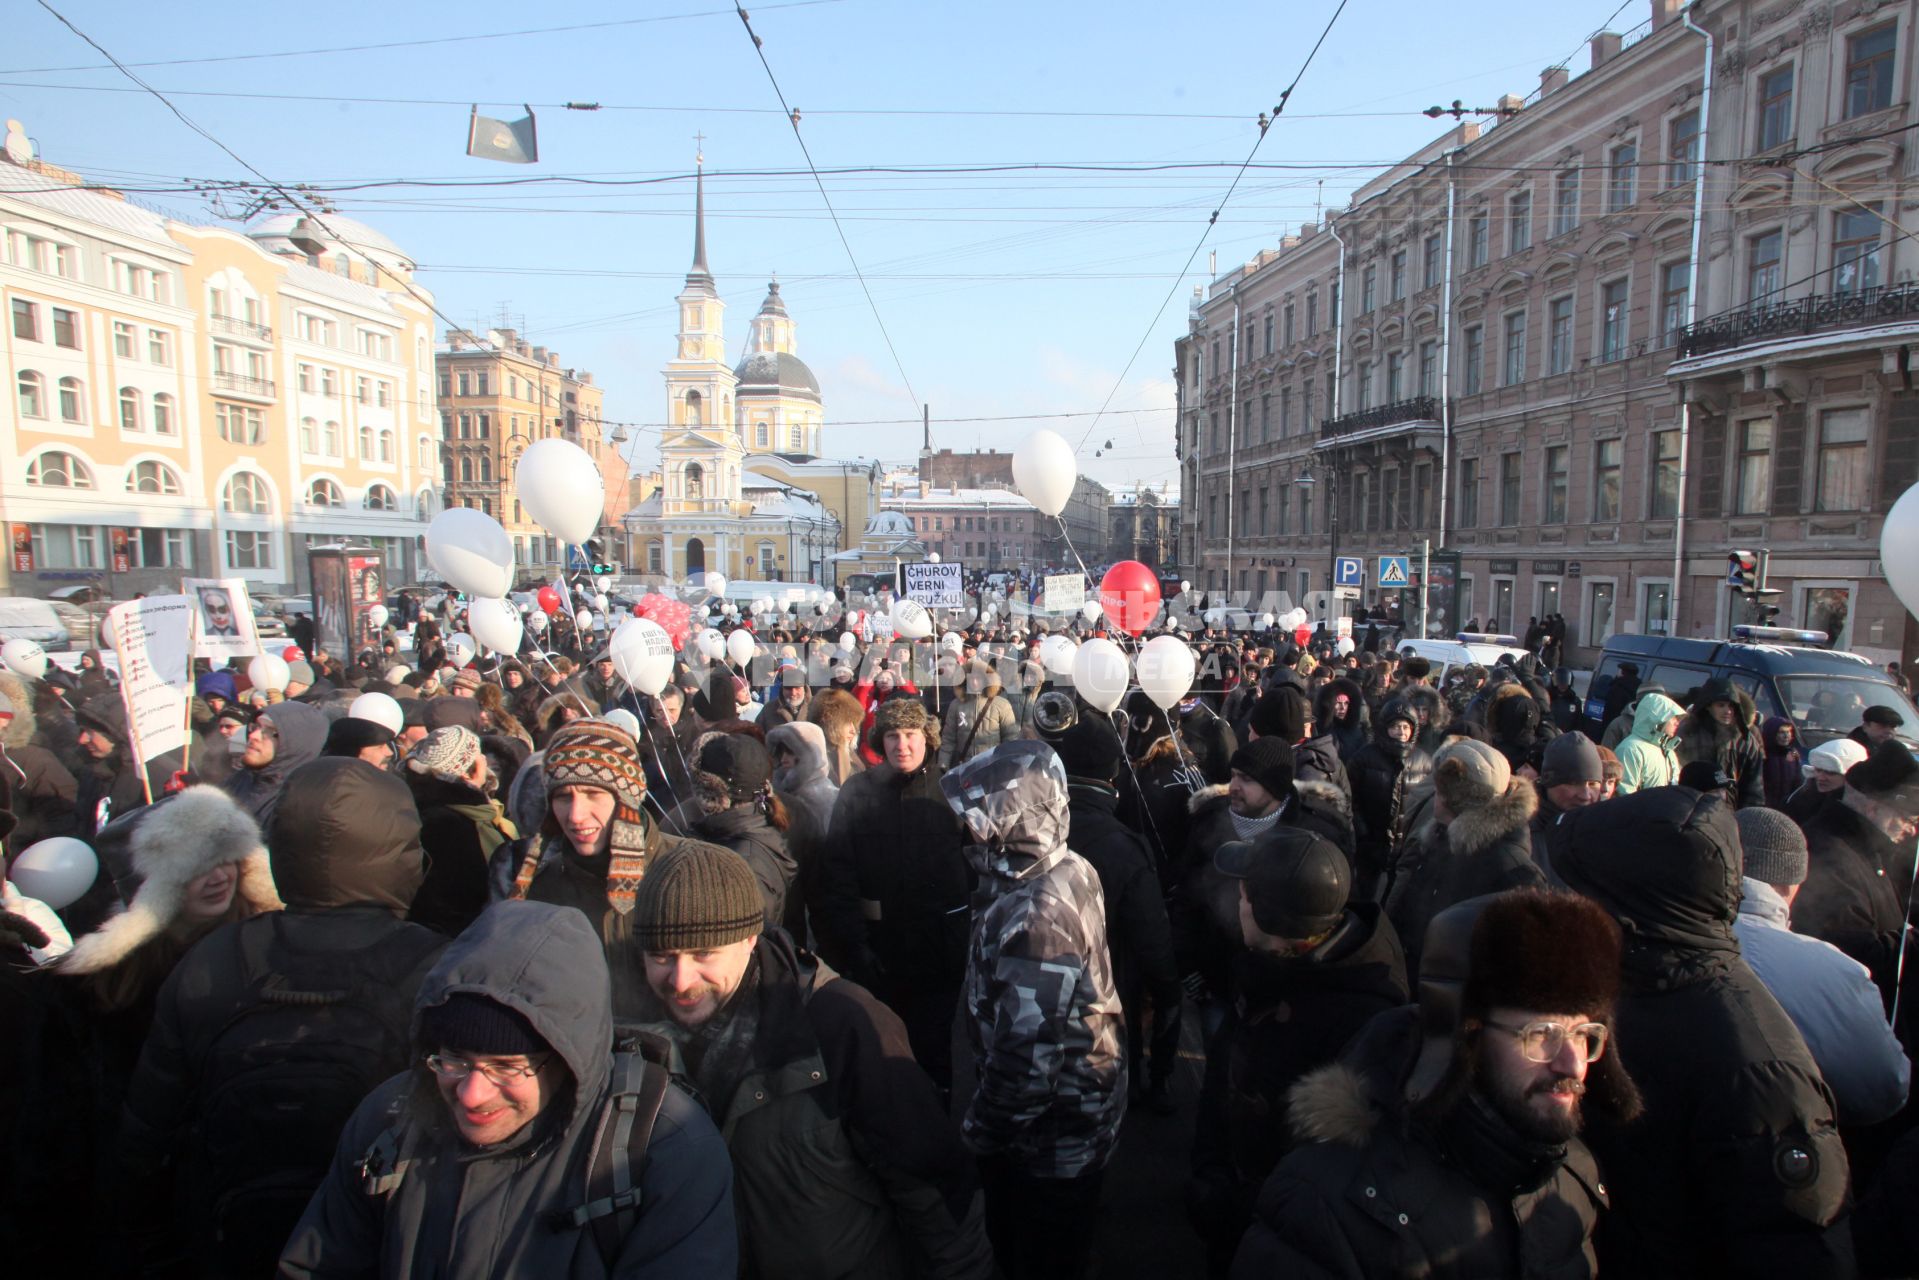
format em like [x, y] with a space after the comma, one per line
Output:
[499, 1074]
[1542, 1041]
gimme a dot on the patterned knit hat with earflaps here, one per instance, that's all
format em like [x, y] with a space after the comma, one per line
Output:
[593, 753]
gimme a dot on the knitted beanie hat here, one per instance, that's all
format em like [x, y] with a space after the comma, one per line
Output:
[467, 1022]
[593, 753]
[698, 897]
[1775, 847]
[1269, 762]
[447, 754]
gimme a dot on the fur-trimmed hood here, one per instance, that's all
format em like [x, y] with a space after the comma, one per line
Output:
[20, 730]
[1332, 1104]
[1206, 797]
[1484, 826]
[1323, 795]
[177, 841]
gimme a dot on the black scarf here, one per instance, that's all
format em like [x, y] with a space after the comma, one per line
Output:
[1498, 1158]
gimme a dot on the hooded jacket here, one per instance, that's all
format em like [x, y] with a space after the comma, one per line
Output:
[1487, 849]
[845, 1164]
[1352, 733]
[1423, 697]
[467, 1213]
[1784, 769]
[303, 731]
[977, 722]
[1646, 758]
[1042, 1012]
[44, 791]
[1389, 779]
[809, 796]
[1736, 1168]
[1735, 748]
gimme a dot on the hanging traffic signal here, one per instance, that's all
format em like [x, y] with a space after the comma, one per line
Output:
[1742, 570]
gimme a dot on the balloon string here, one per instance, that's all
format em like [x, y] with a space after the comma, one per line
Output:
[1172, 730]
[647, 732]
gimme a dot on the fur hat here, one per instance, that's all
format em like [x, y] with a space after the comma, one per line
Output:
[1887, 775]
[1836, 755]
[1469, 774]
[904, 713]
[177, 841]
[1545, 951]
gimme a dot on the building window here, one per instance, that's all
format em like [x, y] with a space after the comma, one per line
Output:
[1285, 410]
[362, 389]
[1565, 202]
[159, 347]
[1395, 376]
[1842, 460]
[163, 423]
[1608, 462]
[386, 444]
[70, 400]
[330, 384]
[766, 561]
[1775, 108]
[123, 340]
[1265, 417]
[1513, 370]
[1509, 488]
[33, 395]
[1557, 481]
[1675, 293]
[1269, 333]
[486, 468]
[654, 558]
[1622, 186]
[239, 424]
[1764, 259]
[1368, 288]
[1286, 325]
[1398, 275]
[66, 546]
[1752, 491]
[26, 320]
[1683, 149]
[1663, 495]
[1519, 221]
[1599, 615]
[309, 435]
[1478, 240]
[129, 409]
[249, 549]
[1855, 249]
[1613, 321]
[56, 470]
[1429, 368]
[1559, 335]
[1363, 385]
[323, 493]
[380, 498]
[1474, 358]
[330, 439]
[1435, 260]
[1312, 314]
[66, 329]
[154, 478]
[1869, 71]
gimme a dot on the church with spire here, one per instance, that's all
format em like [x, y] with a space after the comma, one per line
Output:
[744, 490]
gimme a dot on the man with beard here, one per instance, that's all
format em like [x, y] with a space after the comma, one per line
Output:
[1445, 1141]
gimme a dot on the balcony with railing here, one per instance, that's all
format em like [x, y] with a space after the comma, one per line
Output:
[1827, 313]
[1381, 422]
[239, 384]
[234, 327]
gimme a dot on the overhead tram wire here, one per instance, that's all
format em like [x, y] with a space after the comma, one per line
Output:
[271, 185]
[759, 49]
[1212, 220]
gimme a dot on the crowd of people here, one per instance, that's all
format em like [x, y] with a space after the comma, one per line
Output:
[850, 961]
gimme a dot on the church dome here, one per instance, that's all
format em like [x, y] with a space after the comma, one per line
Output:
[776, 373]
[889, 524]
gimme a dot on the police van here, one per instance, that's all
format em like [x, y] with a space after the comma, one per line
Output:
[1466, 648]
[1786, 671]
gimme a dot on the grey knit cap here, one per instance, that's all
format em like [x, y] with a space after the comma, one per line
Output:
[697, 897]
[447, 754]
[1775, 847]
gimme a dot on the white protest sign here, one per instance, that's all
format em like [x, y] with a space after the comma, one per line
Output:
[225, 623]
[937, 586]
[1065, 592]
[154, 641]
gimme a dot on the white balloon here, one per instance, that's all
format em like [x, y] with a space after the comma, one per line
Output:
[625, 719]
[712, 644]
[1343, 646]
[933, 558]
[583, 620]
[56, 871]
[1267, 619]
[460, 649]
[1044, 471]
[1166, 670]
[1056, 654]
[1100, 674]
[378, 615]
[535, 620]
[600, 601]
[380, 709]
[496, 624]
[911, 620]
[24, 657]
[560, 485]
[952, 642]
[740, 646]
[1092, 611]
[268, 671]
[471, 551]
[848, 642]
[1899, 549]
[642, 654]
[701, 587]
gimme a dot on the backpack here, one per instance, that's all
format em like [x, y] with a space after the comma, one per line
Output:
[610, 1180]
[311, 1035]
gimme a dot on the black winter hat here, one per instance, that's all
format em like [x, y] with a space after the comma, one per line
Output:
[349, 734]
[466, 1022]
[1269, 762]
[1296, 880]
[1281, 712]
[1089, 749]
[1887, 775]
[746, 766]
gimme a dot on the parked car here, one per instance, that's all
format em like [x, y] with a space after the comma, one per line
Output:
[83, 627]
[84, 593]
[24, 618]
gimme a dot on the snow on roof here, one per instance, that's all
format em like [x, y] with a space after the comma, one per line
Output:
[955, 498]
[56, 196]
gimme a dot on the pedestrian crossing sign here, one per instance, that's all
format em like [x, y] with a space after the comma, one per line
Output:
[1395, 571]
[576, 561]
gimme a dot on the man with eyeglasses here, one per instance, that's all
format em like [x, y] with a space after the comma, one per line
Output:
[478, 1161]
[1446, 1139]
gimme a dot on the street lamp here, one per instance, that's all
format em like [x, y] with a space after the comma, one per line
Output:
[1306, 480]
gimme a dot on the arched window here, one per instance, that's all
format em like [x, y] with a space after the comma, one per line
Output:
[423, 505]
[154, 478]
[426, 452]
[446, 468]
[466, 470]
[56, 470]
[33, 395]
[162, 414]
[693, 409]
[309, 435]
[323, 493]
[386, 444]
[486, 468]
[695, 482]
[380, 498]
[70, 400]
[245, 495]
[129, 409]
[366, 444]
[330, 439]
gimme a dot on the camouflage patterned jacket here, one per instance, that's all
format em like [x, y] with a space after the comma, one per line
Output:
[1045, 1018]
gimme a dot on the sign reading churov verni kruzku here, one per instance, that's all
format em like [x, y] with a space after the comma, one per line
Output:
[937, 586]
[1065, 591]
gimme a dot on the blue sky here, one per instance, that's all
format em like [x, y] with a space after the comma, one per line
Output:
[1006, 294]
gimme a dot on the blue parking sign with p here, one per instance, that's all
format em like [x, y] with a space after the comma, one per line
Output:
[1348, 571]
[1395, 571]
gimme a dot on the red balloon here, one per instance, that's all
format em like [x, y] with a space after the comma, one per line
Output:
[293, 653]
[1129, 596]
[1302, 634]
[549, 600]
[672, 616]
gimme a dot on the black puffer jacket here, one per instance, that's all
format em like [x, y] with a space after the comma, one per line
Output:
[1734, 747]
[1137, 929]
[1849, 898]
[1736, 1168]
[1388, 780]
[1292, 1015]
[1484, 850]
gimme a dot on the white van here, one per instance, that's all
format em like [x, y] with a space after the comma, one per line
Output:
[24, 618]
[1484, 648]
[782, 594]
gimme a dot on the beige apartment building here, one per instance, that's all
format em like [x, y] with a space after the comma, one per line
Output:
[1507, 345]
